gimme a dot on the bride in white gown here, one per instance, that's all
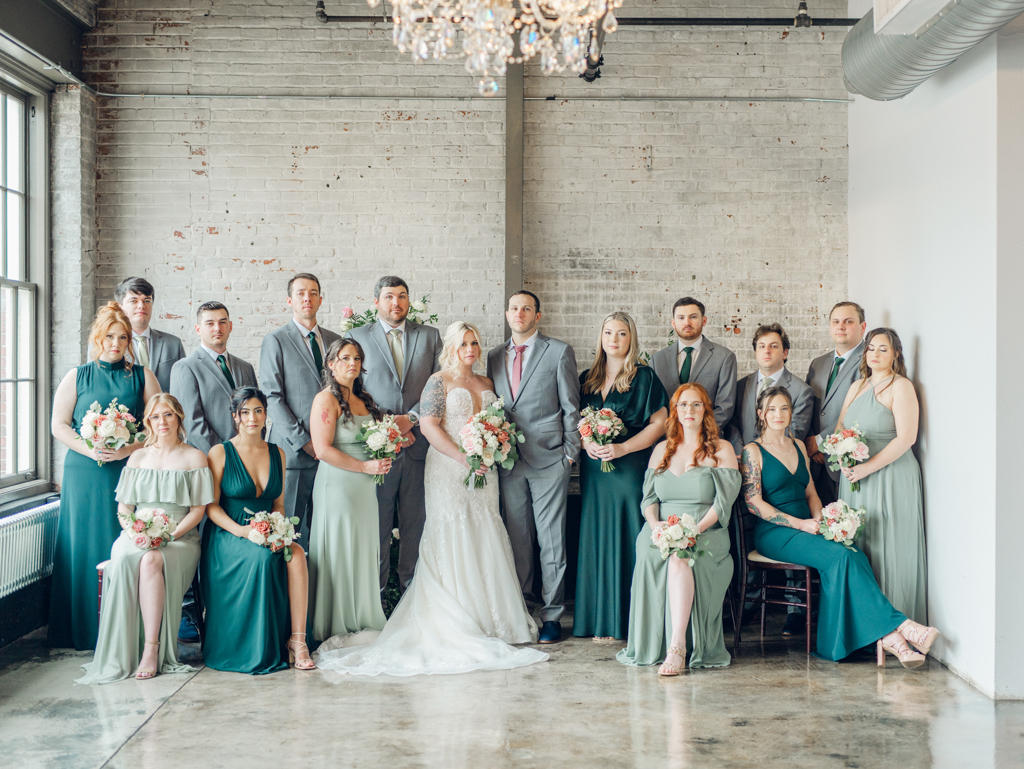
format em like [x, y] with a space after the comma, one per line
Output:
[464, 606]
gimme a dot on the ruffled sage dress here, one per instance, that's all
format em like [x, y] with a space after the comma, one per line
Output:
[893, 538]
[611, 517]
[121, 635]
[650, 621]
[245, 586]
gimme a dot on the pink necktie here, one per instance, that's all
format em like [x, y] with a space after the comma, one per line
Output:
[517, 369]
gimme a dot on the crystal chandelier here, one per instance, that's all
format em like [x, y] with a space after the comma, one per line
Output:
[561, 32]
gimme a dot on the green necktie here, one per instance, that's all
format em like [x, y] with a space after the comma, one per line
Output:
[396, 351]
[227, 373]
[835, 372]
[684, 371]
[318, 358]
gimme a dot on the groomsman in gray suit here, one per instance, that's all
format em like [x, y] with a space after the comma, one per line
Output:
[536, 375]
[830, 377]
[291, 375]
[204, 381]
[156, 350]
[400, 357]
[692, 357]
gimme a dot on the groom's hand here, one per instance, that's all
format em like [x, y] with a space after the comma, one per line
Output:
[404, 423]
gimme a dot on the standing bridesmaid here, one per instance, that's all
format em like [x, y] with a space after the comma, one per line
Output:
[612, 518]
[252, 595]
[344, 542]
[884, 405]
[88, 525]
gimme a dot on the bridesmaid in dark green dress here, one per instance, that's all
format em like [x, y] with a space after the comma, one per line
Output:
[612, 517]
[88, 525]
[252, 595]
[778, 489]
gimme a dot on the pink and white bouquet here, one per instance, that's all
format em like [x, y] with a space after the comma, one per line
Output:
[383, 440]
[841, 523]
[489, 439]
[274, 531]
[678, 537]
[149, 528]
[417, 314]
[600, 426]
[111, 429]
[845, 449]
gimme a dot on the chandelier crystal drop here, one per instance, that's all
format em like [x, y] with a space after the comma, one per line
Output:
[560, 32]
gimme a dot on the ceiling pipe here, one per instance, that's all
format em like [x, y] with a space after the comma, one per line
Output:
[885, 67]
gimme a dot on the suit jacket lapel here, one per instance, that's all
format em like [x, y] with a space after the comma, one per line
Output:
[500, 370]
[750, 400]
[213, 368]
[380, 337]
[412, 341]
[848, 371]
[154, 347]
[539, 347]
[302, 348]
[663, 365]
[706, 351]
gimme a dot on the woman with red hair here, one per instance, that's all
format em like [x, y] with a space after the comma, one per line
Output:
[692, 472]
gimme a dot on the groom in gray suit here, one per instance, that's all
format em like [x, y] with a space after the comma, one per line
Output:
[156, 350]
[830, 377]
[400, 357]
[536, 375]
[692, 357]
[291, 374]
[204, 381]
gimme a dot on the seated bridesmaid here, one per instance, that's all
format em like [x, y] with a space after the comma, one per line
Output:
[146, 586]
[693, 472]
[252, 595]
[778, 490]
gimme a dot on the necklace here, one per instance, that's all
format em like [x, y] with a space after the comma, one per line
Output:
[779, 446]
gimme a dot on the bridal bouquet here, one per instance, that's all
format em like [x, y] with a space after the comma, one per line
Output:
[417, 314]
[679, 537]
[845, 449]
[488, 439]
[841, 523]
[149, 527]
[109, 429]
[274, 531]
[601, 427]
[383, 440]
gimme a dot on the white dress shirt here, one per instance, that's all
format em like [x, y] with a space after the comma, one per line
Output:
[774, 377]
[681, 353]
[510, 354]
[319, 339]
[149, 344]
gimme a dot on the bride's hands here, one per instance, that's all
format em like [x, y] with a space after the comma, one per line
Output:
[377, 466]
[483, 468]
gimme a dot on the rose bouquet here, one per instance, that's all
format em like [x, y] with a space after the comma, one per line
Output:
[109, 429]
[841, 523]
[601, 427]
[149, 528]
[417, 314]
[845, 449]
[383, 440]
[488, 439]
[273, 530]
[678, 537]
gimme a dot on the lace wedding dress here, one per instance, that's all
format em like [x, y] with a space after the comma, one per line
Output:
[464, 605]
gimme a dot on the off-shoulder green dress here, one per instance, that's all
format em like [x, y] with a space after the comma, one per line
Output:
[121, 633]
[650, 622]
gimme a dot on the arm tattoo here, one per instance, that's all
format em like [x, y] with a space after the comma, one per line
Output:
[433, 398]
[324, 416]
[752, 488]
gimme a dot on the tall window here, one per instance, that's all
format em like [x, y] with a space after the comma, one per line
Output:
[18, 365]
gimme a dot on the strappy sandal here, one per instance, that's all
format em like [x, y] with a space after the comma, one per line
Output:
[919, 636]
[667, 669]
[293, 652]
[144, 674]
[901, 651]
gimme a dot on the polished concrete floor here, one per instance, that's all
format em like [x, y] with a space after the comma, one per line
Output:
[773, 708]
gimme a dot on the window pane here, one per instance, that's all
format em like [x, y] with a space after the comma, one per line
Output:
[6, 332]
[15, 236]
[26, 449]
[15, 144]
[7, 429]
[25, 335]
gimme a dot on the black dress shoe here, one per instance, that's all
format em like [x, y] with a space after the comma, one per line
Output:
[550, 632]
[795, 624]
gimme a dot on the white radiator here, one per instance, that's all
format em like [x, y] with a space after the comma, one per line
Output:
[27, 541]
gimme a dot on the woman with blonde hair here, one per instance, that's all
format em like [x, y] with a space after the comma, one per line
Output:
[88, 526]
[143, 588]
[611, 517]
[692, 472]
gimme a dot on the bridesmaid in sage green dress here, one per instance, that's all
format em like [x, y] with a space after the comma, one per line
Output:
[612, 517]
[693, 472]
[252, 595]
[778, 490]
[142, 589]
[884, 405]
[344, 542]
[87, 526]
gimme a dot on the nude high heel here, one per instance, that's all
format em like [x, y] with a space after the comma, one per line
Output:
[899, 649]
[920, 636]
[306, 664]
[144, 674]
[667, 669]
